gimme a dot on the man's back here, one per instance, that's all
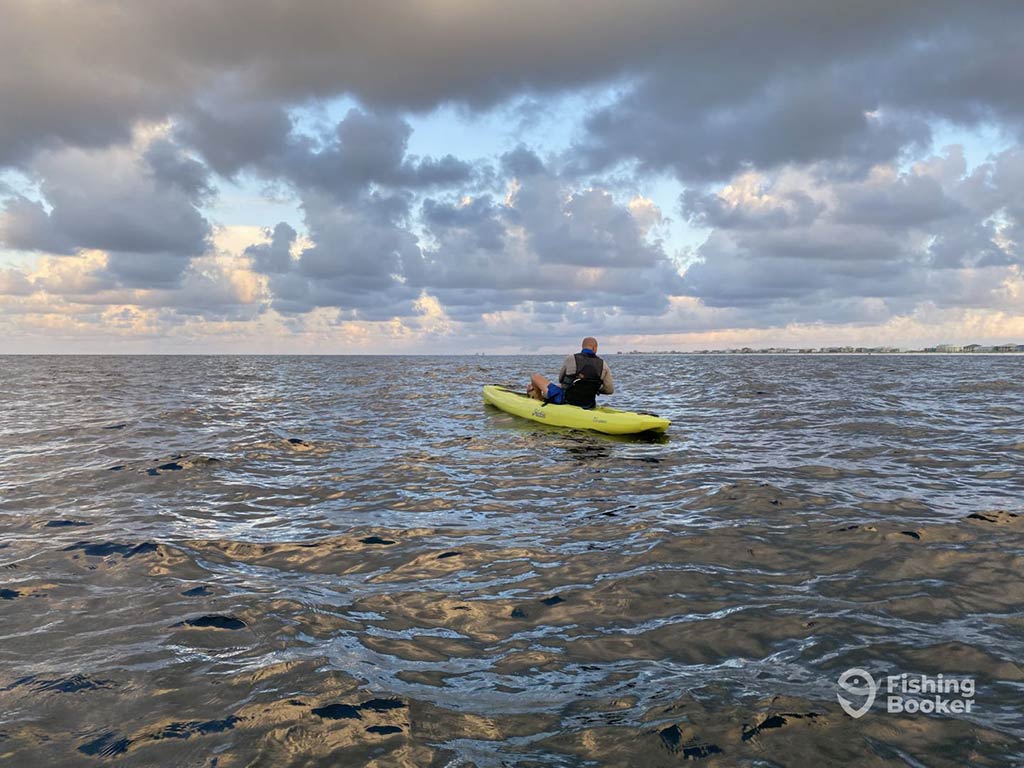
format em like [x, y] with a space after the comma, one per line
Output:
[584, 376]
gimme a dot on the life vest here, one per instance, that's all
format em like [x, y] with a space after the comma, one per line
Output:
[582, 387]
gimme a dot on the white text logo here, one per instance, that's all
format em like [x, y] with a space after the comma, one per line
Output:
[907, 694]
[869, 689]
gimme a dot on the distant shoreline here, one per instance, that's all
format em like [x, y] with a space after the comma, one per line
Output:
[661, 353]
[897, 353]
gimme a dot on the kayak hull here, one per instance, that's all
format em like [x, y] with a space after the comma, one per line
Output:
[607, 420]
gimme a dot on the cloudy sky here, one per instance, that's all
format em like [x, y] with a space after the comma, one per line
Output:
[463, 176]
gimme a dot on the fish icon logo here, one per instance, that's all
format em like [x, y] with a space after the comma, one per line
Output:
[849, 681]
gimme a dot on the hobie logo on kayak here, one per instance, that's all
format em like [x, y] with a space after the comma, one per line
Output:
[539, 413]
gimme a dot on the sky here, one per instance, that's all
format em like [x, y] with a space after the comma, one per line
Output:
[447, 176]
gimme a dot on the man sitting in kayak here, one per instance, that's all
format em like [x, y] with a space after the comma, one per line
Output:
[583, 377]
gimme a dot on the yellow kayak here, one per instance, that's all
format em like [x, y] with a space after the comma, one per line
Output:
[607, 420]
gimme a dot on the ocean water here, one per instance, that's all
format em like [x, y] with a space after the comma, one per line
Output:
[304, 561]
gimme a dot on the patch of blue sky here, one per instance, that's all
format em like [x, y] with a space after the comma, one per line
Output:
[321, 118]
[10, 258]
[547, 123]
[681, 239]
[247, 201]
[979, 142]
[14, 182]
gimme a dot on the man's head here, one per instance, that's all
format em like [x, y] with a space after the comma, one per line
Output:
[590, 343]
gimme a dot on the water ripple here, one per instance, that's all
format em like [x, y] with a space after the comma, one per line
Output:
[292, 561]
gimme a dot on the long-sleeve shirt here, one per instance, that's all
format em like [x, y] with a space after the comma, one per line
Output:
[569, 370]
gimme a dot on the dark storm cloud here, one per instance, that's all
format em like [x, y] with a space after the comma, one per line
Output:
[967, 244]
[232, 134]
[365, 148]
[705, 92]
[522, 162]
[774, 82]
[25, 225]
[901, 239]
[87, 73]
[149, 269]
[985, 229]
[362, 244]
[579, 227]
[735, 273]
[431, 172]
[475, 226]
[590, 230]
[547, 242]
[802, 118]
[356, 262]
[966, 66]
[141, 210]
[170, 166]
[910, 201]
[779, 86]
[274, 257]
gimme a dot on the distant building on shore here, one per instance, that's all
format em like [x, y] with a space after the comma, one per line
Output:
[939, 348]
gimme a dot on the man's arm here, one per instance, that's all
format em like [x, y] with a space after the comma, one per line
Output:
[607, 386]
